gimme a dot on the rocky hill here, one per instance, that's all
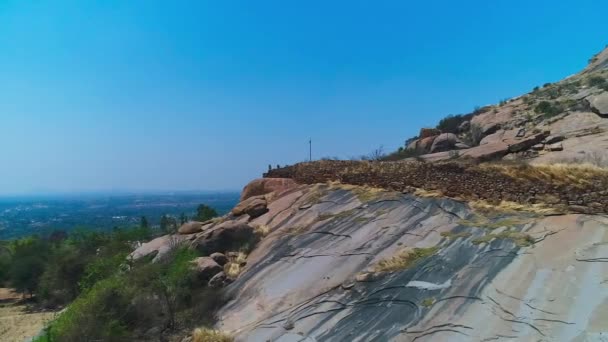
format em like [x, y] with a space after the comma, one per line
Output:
[441, 247]
[561, 122]
[348, 263]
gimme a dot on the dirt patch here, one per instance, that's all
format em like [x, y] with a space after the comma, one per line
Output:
[17, 322]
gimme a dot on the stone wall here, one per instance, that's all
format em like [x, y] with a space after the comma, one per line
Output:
[458, 180]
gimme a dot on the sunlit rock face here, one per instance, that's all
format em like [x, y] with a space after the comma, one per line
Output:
[342, 263]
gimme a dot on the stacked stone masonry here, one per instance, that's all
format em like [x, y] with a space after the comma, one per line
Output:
[452, 179]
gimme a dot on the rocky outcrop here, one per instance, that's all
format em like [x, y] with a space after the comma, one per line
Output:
[447, 142]
[190, 227]
[205, 268]
[253, 206]
[428, 132]
[265, 186]
[599, 104]
[227, 236]
[318, 274]
[157, 248]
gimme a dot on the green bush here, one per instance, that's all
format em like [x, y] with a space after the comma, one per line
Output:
[596, 81]
[548, 109]
[204, 213]
[451, 123]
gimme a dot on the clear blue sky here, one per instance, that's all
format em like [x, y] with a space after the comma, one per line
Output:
[159, 95]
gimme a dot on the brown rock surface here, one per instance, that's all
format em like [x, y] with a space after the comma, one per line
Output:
[253, 206]
[446, 142]
[158, 247]
[226, 236]
[265, 186]
[530, 278]
[190, 227]
[206, 268]
[428, 132]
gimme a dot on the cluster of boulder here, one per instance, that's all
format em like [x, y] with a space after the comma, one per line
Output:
[216, 239]
[431, 140]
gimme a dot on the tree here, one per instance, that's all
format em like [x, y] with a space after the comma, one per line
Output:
[204, 213]
[143, 223]
[164, 223]
[183, 218]
[28, 263]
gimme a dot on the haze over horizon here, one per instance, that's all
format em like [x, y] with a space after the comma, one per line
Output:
[150, 95]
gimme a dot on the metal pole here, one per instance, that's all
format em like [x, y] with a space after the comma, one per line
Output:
[310, 149]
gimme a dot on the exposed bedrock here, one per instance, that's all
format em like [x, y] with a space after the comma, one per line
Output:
[343, 263]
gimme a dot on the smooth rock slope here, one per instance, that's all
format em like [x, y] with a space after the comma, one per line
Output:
[343, 263]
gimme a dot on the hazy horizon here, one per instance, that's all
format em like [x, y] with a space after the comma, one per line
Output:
[141, 95]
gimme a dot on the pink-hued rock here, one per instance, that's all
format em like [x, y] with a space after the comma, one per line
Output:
[206, 268]
[253, 206]
[224, 237]
[263, 186]
[428, 132]
[446, 142]
[426, 143]
[158, 247]
[190, 227]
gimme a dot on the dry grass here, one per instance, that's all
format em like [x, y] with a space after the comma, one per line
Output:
[484, 222]
[17, 324]
[235, 265]
[520, 239]
[262, 230]
[428, 193]
[404, 259]
[578, 175]
[210, 335]
[454, 236]
[513, 207]
[364, 194]
[315, 195]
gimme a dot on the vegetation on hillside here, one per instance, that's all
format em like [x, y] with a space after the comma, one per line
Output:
[108, 296]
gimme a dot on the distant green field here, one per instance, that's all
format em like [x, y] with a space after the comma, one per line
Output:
[21, 216]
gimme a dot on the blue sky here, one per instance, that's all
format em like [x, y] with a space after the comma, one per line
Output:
[177, 95]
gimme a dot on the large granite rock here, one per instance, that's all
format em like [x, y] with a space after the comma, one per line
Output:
[230, 235]
[206, 268]
[265, 186]
[190, 227]
[157, 248]
[447, 142]
[253, 206]
[599, 104]
[428, 132]
[530, 278]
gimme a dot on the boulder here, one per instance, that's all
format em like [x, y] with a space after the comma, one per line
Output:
[190, 227]
[428, 132]
[538, 147]
[599, 104]
[552, 139]
[205, 268]
[157, 248]
[426, 143]
[556, 147]
[220, 258]
[218, 280]
[522, 144]
[445, 142]
[253, 206]
[265, 186]
[229, 235]
[487, 152]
